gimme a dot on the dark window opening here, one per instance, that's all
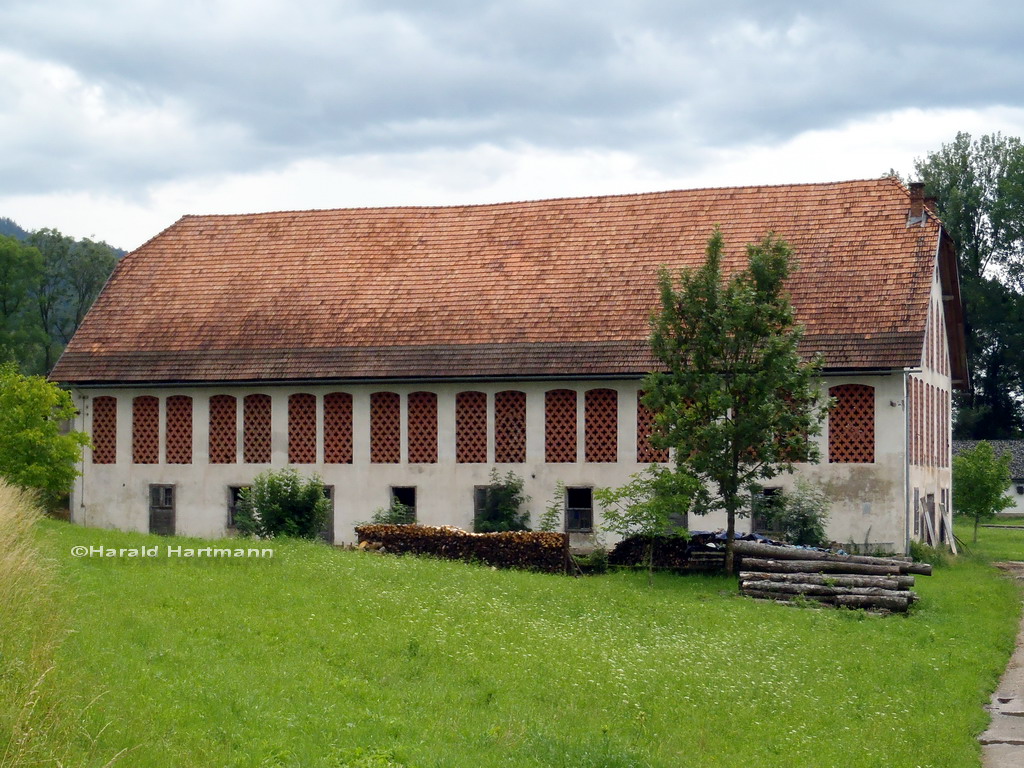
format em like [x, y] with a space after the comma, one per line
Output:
[327, 534]
[764, 505]
[234, 492]
[406, 496]
[579, 510]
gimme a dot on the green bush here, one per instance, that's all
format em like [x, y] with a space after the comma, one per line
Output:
[396, 514]
[281, 503]
[801, 516]
[500, 510]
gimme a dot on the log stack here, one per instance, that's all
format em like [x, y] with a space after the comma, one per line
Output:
[855, 581]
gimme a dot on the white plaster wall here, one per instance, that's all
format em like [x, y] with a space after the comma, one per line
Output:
[868, 499]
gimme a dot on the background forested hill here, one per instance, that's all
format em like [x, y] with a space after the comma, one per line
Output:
[48, 281]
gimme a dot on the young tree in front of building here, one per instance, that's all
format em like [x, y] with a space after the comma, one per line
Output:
[34, 451]
[735, 400]
[980, 480]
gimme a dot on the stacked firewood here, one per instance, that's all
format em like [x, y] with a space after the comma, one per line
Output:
[855, 581]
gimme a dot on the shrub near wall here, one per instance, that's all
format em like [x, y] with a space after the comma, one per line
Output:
[535, 550]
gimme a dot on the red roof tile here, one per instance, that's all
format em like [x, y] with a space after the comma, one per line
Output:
[546, 288]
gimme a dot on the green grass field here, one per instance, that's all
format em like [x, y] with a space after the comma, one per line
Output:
[320, 657]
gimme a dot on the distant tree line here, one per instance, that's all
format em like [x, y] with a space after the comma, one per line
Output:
[48, 281]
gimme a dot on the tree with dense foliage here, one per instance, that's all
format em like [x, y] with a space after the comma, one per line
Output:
[280, 502]
[980, 482]
[801, 514]
[34, 452]
[978, 185]
[48, 281]
[735, 399]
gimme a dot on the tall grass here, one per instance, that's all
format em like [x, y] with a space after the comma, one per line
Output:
[30, 629]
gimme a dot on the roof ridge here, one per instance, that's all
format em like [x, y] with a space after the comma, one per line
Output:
[540, 200]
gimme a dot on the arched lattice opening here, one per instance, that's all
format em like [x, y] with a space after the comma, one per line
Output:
[559, 426]
[601, 425]
[471, 428]
[338, 428]
[302, 428]
[256, 426]
[104, 430]
[145, 430]
[422, 423]
[385, 428]
[510, 427]
[645, 451]
[851, 424]
[178, 441]
[223, 429]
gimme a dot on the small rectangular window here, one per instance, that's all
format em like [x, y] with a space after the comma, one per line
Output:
[161, 510]
[579, 510]
[327, 534]
[405, 495]
[234, 492]
[763, 506]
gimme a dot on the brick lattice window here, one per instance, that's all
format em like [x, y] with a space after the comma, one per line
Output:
[471, 428]
[851, 424]
[559, 426]
[338, 428]
[223, 429]
[385, 428]
[510, 427]
[145, 430]
[302, 428]
[601, 425]
[256, 429]
[422, 428]
[178, 440]
[104, 430]
[646, 453]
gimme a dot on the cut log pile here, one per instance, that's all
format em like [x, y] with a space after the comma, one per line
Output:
[855, 581]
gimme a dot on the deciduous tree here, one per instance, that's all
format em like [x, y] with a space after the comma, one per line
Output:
[34, 452]
[980, 482]
[735, 399]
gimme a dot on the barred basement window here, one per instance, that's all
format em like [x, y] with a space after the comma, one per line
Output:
[646, 453]
[104, 430]
[851, 424]
[422, 428]
[146, 430]
[256, 429]
[471, 428]
[385, 428]
[510, 427]
[406, 496]
[302, 428]
[234, 493]
[601, 425]
[559, 426]
[178, 440]
[223, 429]
[338, 428]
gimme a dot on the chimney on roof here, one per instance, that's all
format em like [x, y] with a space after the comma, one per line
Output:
[916, 203]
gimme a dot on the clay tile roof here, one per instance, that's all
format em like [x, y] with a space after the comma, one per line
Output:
[544, 288]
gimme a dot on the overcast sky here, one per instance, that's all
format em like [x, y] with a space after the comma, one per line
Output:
[117, 117]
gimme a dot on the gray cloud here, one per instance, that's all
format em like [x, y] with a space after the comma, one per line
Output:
[191, 87]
